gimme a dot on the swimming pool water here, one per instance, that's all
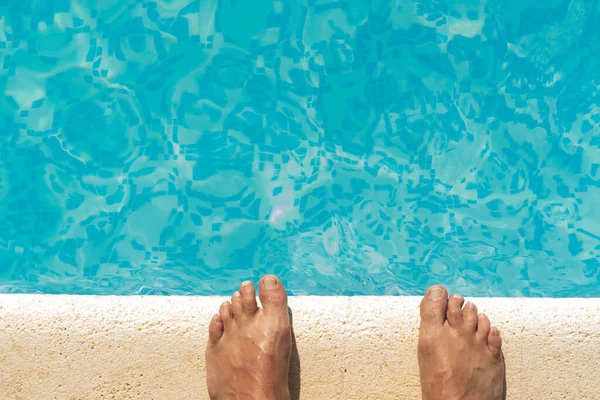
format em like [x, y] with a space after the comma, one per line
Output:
[351, 147]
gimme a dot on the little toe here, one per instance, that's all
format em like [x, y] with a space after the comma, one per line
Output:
[226, 313]
[215, 329]
[454, 313]
[470, 316]
[495, 342]
[248, 297]
[272, 294]
[483, 327]
[434, 306]
[237, 304]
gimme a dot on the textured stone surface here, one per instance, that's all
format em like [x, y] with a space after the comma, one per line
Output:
[80, 347]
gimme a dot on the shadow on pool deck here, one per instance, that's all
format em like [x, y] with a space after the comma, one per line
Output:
[294, 374]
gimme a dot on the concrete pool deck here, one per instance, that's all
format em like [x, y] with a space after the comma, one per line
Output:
[89, 347]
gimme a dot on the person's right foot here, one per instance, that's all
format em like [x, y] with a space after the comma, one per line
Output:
[460, 354]
[248, 350]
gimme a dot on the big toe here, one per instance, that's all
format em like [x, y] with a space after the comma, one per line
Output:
[272, 293]
[434, 306]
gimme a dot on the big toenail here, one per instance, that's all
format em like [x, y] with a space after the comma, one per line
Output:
[436, 293]
[246, 283]
[270, 283]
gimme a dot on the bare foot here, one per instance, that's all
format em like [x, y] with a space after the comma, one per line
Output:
[460, 355]
[248, 351]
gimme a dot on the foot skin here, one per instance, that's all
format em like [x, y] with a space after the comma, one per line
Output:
[460, 354]
[249, 348]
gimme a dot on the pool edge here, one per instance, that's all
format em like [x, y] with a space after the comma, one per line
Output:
[61, 346]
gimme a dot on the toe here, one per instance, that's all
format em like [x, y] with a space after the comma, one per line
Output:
[483, 326]
[454, 313]
[226, 314]
[215, 329]
[434, 306]
[470, 316]
[248, 297]
[237, 304]
[272, 294]
[495, 342]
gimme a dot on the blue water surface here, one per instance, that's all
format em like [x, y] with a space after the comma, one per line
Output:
[350, 147]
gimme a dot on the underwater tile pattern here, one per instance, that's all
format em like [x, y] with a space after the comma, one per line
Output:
[351, 147]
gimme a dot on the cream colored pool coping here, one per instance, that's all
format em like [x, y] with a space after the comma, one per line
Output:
[88, 347]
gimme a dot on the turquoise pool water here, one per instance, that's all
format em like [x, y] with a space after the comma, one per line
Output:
[351, 147]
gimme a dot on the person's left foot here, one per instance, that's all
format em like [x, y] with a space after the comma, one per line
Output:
[249, 348]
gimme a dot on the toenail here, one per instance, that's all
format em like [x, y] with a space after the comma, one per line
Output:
[216, 318]
[495, 331]
[481, 315]
[457, 296]
[436, 293]
[270, 283]
[470, 305]
[245, 283]
[237, 294]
